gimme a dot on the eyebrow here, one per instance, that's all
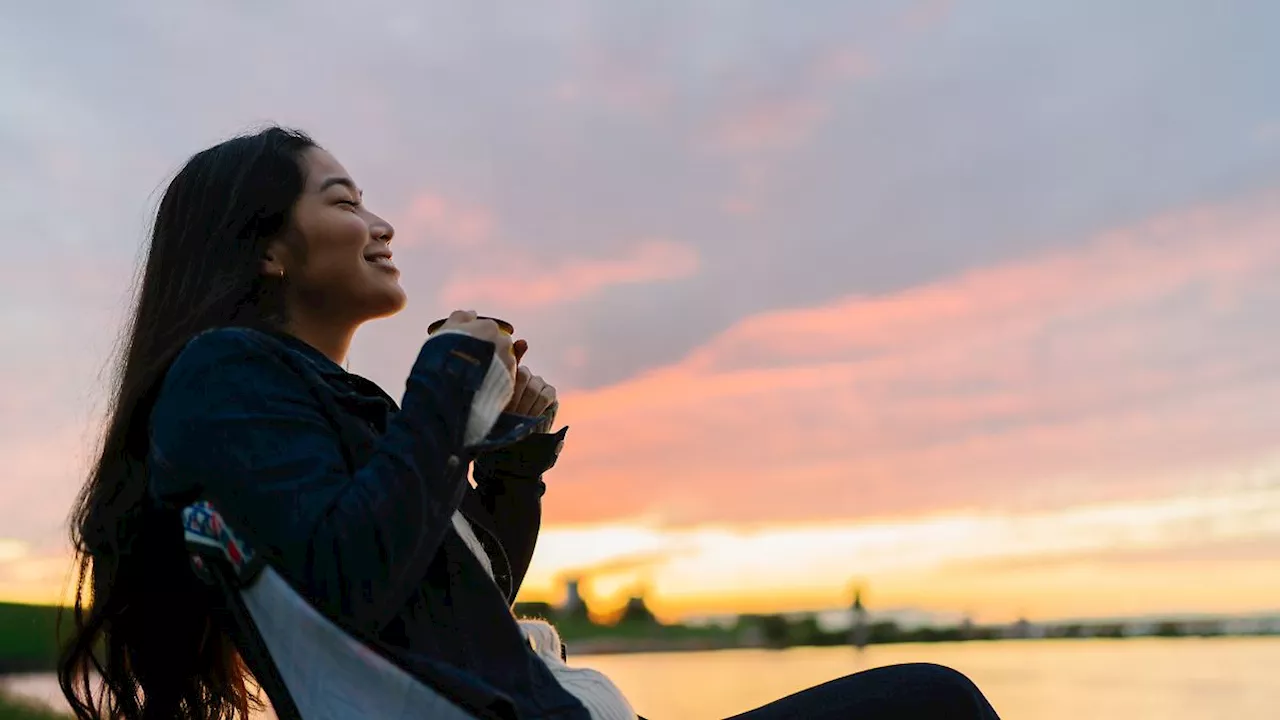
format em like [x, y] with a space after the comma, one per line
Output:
[340, 180]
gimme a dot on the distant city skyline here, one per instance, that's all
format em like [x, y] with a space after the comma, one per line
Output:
[836, 618]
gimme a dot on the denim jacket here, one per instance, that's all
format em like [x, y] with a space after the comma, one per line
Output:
[349, 498]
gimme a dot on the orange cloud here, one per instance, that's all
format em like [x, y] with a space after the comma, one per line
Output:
[43, 578]
[1115, 369]
[651, 261]
[992, 563]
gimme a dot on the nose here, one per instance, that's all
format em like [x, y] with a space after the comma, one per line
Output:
[381, 229]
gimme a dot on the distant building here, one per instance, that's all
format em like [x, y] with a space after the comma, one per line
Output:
[860, 632]
[637, 612]
[574, 605]
[1023, 629]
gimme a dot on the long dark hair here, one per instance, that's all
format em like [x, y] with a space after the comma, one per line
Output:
[145, 629]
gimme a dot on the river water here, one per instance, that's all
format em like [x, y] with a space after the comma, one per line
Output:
[1168, 679]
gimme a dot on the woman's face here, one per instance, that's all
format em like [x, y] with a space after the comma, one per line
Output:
[338, 267]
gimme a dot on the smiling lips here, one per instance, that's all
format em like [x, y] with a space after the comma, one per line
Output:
[381, 260]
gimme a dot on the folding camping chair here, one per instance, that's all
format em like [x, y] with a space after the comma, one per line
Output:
[310, 668]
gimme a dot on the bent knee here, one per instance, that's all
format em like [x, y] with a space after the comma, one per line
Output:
[936, 673]
[941, 682]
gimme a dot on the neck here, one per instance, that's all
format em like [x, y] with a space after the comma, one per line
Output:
[332, 340]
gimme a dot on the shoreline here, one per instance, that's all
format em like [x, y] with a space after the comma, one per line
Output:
[637, 646]
[619, 646]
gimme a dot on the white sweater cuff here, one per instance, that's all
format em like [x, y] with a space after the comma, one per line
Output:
[494, 394]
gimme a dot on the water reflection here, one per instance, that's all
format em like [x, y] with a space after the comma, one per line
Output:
[1172, 679]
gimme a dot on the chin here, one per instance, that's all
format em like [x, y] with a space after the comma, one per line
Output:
[386, 304]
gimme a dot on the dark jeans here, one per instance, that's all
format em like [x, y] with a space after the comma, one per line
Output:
[900, 691]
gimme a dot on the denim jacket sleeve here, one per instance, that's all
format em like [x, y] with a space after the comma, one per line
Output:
[235, 424]
[510, 487]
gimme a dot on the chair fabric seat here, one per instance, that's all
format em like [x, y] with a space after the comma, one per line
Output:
[318, 670]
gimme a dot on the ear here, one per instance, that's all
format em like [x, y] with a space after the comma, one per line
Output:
[273, 260]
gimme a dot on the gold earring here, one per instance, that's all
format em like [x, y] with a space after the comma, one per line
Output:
[282, 273]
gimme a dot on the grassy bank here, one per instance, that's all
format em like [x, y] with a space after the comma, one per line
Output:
[28, 638]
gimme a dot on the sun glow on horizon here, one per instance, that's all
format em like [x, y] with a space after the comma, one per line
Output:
[1063, 561]
[1169, 554]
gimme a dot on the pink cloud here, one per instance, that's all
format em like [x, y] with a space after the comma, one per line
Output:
[651, 261]
[773, 124]
[1119, 269]
[762, 123]
[633, 83]
[1106, 371]
[785, 117]
[841, 65]
[928, 13]
[435, 219]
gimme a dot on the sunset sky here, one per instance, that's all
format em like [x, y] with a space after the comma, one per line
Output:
[975, 303]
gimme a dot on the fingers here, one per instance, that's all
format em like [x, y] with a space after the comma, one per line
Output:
[523, 374]
[546, 398]
[524, 405]
[535, 398]
[531, 395]
[465, 321]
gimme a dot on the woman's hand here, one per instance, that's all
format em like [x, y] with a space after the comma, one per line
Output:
[532, 396]
[465, 321]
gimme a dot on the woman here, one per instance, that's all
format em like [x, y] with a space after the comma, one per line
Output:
[263, 263]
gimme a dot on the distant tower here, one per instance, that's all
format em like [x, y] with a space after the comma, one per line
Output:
[574, 605]
[858, 634]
